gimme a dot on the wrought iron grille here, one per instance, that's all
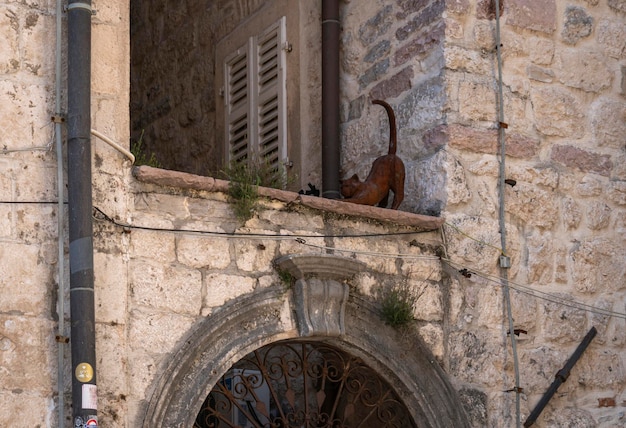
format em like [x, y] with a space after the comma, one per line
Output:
[302, 384]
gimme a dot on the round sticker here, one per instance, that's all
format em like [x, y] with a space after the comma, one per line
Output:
[91, 423]
[84, 372]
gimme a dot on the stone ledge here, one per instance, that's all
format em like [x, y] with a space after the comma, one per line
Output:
[183, 180]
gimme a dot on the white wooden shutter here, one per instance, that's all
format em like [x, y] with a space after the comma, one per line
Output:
[237, 100]
[256, 99]
[271, 111]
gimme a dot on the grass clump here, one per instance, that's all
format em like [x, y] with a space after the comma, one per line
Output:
[141, 158]
[244, 181]
[397, 306]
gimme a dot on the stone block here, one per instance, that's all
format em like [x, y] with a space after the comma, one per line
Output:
[432, 336]
[538, 15]
[589, 186]
[374, 73]
[27, 283]
[619, 5]
[541, 50]
[25, 107]
[600, 368]
[486, 9]
[557, 112]
[425, 17]
[611, 36]
[112, 362]
[608, 121]
[473, 356]
[457, 186]
[26, 408]
[421, 44]
[458, 7]
[27, 354]
[484, 36]
[540, 365]
[110, 288]
[477, 102]
[394, 86]
[255, 255]
[221, 288]
[376, 26]
[571, 212]
[166, 287]
[598, 216]
[540, 74]
[540, 257]
[475, 404]
[617, 192]
[570, 417]
[566, 322]
[521, 146]
[203, 251]
[583, 160]
[578, 25]
[155, 245]
[155, 334]
[471, 61]
[429, 304]
[9, 32]
[586, 70]
[532, 205]
[597, 265]
[377, 52]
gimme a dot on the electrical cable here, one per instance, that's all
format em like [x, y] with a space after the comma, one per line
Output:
[538, 294]
[102, 216]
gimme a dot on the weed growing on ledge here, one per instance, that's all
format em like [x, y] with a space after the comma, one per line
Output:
[397, 305]
[140, 156]
[244, 181]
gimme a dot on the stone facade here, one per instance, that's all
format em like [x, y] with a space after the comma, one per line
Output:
[565, 108]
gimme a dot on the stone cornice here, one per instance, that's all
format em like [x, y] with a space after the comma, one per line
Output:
[183, 180]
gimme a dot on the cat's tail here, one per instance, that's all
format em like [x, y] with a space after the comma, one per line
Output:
[392, 125]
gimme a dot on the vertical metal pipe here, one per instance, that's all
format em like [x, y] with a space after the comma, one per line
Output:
[60, 218]
[84, 390]
[330, 99]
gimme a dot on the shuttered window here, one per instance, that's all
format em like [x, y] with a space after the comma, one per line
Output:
[255, 99]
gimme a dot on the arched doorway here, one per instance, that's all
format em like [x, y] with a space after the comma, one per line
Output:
[316, 320]
[302, 384]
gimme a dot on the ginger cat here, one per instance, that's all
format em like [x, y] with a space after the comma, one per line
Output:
[387, 174]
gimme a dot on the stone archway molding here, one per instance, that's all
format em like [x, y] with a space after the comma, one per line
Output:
[278, 313]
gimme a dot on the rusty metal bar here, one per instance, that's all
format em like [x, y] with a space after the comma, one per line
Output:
[560, 377]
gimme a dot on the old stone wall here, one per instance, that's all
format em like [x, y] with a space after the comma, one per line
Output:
[29, 233]
[565, 107]
[563, 83]
[176, 279]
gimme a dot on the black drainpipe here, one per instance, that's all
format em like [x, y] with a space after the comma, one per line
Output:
[330, 99]
[83, 337]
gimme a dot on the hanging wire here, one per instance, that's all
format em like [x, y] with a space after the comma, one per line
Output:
[300, 238]
[533, 292]
[100, 215]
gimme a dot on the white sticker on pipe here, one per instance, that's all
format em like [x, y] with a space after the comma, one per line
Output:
[90, 396]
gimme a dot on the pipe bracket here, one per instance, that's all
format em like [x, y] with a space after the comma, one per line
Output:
[80, 5]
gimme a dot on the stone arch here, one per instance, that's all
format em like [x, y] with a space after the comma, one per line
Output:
[276, 314]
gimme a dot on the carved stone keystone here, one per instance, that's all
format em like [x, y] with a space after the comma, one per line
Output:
[320, 292]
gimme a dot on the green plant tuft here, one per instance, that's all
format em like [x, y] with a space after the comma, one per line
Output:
[397, 306]
[140, 156]
[286, 278]
[244, 181]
